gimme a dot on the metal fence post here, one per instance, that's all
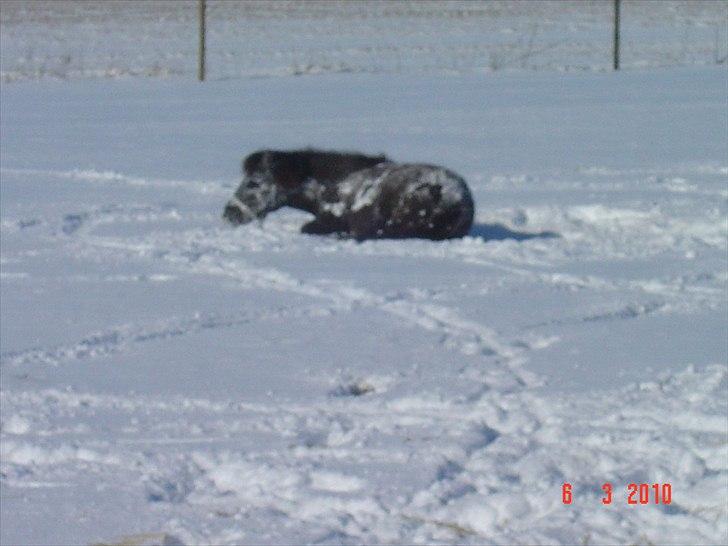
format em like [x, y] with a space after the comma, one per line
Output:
[201, 66]
[616, 34]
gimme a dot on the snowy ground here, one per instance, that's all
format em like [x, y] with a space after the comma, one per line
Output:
[164, 373]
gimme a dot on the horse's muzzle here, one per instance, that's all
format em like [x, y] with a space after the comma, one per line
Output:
[237, 213]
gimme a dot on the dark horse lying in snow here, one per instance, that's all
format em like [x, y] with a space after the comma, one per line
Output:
[354, 195]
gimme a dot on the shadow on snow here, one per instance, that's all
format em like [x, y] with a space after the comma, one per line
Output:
[499, 232]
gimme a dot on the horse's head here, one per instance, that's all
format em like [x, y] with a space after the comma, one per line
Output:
[273, 179]
[268, 177]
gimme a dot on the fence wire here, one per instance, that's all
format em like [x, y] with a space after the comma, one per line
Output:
[89, 39]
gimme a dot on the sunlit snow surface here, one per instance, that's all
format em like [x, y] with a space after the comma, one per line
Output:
[165, 373]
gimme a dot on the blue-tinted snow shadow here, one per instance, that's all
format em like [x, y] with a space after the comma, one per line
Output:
[499, 232]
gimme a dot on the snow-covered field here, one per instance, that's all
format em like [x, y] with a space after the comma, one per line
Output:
[166, 376]
[63, 39]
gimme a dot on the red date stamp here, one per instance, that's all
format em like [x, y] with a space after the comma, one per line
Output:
[636, 493]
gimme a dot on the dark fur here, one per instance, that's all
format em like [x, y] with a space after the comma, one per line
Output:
[292, 168]
[354, 195]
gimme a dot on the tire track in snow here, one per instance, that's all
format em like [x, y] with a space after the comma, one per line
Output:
[202, 257]
[468, 337]
[453, 331]
[115, 340]
[207, 256]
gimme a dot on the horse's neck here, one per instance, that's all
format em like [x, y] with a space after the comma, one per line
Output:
[308, 196]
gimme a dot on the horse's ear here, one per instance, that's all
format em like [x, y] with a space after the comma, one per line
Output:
[289, 169]
[253, 162]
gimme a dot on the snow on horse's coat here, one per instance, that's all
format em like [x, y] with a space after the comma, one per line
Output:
[354, 195]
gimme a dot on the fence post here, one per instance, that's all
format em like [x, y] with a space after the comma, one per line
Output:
[201, 66]
[616, 34]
